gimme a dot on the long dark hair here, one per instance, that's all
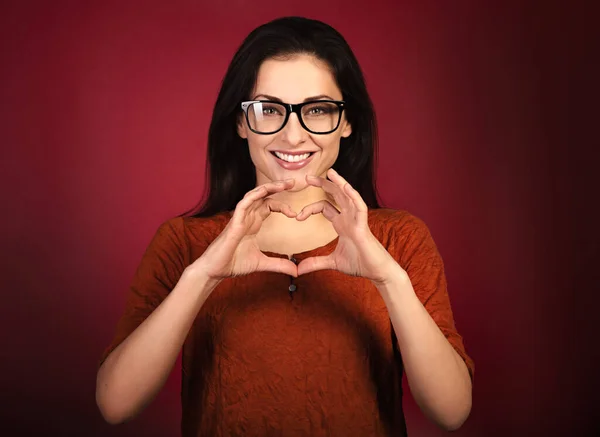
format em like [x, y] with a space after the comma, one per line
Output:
[230, 172]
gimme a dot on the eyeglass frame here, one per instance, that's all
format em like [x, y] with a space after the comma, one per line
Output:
[295, 108]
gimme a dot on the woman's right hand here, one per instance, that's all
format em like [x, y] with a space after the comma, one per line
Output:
[235, 251]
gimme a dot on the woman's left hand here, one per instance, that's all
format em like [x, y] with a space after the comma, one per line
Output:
[358, 252]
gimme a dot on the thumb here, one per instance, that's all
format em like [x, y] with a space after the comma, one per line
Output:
[278, 265]
[315, 263]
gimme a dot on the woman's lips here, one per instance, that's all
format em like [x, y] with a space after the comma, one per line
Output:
[292, 165]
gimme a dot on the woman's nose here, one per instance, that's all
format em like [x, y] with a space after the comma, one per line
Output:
[293, 131]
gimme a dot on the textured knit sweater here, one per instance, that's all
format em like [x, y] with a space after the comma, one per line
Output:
[261, 360]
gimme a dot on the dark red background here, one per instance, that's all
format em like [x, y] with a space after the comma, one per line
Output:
[482, 112]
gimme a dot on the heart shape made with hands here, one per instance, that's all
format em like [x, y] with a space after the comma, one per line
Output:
[358, 252]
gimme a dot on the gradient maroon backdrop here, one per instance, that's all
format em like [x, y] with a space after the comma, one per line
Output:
[105, 109]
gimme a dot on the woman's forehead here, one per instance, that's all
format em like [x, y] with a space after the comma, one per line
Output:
[293, 79]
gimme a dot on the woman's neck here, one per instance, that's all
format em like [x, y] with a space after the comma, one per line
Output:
[279, 233]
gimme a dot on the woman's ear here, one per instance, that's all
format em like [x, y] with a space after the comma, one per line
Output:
[241, 127]
[346, 129]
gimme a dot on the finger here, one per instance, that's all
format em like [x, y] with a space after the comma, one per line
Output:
[332, 189]
[278, 265]
[263, 191]
[321, 207]
[269, 188]
[316, 263]
[349, 190]
[354, 195]
[271, 205]
[345, 186]
[336, 178]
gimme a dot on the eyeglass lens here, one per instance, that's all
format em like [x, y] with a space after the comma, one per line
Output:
[268, 117]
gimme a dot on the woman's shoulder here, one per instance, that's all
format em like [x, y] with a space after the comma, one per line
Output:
[199, 229]
[398, 230]
[394, 220]
[403, 234]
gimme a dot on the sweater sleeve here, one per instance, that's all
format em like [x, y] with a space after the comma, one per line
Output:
[157, 274]
[420, 258]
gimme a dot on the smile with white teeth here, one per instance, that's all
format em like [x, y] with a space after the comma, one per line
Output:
[291, 158]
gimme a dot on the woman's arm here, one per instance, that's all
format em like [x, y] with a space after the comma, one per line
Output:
[162, 306]
[136, 370]
[437, 375]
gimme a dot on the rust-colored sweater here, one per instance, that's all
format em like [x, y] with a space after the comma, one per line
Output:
[322, 361]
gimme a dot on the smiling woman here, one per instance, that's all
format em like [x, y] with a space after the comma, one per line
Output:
[367, 298]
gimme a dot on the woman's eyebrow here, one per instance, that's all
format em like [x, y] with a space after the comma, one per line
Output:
[267, 97]
[319, 97]
[308, 99]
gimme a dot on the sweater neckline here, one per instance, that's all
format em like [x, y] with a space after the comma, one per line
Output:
[325, 249]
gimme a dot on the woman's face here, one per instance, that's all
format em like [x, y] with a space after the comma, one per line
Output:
[294, 80]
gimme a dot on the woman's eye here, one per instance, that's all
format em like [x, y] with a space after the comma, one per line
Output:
[319, 110]
[270, 111]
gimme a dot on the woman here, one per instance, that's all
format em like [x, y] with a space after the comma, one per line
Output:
[297, 300]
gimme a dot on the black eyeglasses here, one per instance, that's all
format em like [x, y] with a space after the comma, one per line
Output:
[266, 117]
